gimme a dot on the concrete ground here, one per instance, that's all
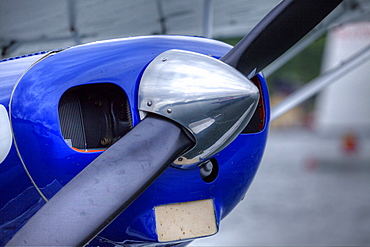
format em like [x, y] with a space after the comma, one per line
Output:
[307, 192]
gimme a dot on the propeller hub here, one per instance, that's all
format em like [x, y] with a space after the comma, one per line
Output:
[209, 98]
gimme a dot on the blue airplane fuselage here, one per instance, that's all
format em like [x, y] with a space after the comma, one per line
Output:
[40, 161]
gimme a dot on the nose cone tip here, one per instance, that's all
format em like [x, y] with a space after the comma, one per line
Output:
[255, 94]
[248, 90]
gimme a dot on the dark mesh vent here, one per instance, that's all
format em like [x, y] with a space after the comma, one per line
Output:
[72, 125]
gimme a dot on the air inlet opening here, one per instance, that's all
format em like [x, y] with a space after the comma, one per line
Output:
[209, 170]
[257, 122]
[94, 116]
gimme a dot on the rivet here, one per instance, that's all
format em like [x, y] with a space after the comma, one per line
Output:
[169, 110]
[164, 59]
[149, 103]
[180, 159]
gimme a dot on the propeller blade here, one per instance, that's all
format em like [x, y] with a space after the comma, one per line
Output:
[279, 30]
[108, 185]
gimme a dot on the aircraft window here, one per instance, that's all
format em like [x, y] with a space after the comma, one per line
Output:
[94, 116]
[257, 122]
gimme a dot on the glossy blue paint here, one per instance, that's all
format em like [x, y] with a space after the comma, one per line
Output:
[52, 163]
[10, 72]
[19, 199]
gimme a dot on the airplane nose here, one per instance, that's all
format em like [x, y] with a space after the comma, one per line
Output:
[209, 98]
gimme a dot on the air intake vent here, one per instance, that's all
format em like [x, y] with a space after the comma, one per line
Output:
[257, 122]
[94, 116]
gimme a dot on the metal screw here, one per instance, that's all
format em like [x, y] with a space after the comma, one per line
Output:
[98, 103]
[180, 159]
[164, 59]
[105, 141]
[149, 103]
[169, 110]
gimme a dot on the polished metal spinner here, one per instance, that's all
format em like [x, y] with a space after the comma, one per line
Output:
[209, 98]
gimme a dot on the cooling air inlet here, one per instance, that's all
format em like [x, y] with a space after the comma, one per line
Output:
[94, 116]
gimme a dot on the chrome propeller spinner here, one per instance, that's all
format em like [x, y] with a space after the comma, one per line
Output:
[209, 98]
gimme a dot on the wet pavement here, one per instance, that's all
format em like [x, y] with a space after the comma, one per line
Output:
[307, 192]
